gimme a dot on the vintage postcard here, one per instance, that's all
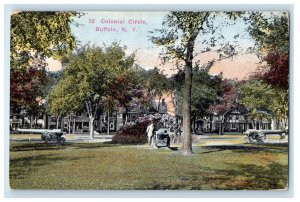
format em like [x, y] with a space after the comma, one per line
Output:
[149, 100]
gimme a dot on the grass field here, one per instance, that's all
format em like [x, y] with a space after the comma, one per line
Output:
[107, 166]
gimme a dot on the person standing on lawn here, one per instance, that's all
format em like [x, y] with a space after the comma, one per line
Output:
[150, 133]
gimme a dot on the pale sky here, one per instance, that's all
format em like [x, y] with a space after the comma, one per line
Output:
[131, 29]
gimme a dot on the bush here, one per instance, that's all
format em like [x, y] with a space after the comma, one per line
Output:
[132, 134]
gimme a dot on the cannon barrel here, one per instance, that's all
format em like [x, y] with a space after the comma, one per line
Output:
[266, 131]
[39, 131]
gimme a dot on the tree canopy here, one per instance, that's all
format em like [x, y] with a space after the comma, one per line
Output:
[264, 101]
[88, 78]
[41, 34]
[270, 30]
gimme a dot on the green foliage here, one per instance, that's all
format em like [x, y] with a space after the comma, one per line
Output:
[263, 101]
[270, 30]
[61, 99]
[156, 83]
[88, 78]
[47, 34]
[205, 90]
[181, 30]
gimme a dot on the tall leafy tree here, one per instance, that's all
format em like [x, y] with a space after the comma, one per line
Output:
[271, 32]
[263, 101]
[226, 101]
[35, 36]
[156, 84]
[87, 78]
[178, 38]
[125, 90]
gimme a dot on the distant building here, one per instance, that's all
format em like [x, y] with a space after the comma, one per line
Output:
[236, 120]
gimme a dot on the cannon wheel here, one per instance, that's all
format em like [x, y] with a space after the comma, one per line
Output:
[62, 140]
[256, 137]
[46, 138]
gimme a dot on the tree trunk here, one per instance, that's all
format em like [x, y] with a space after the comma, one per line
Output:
[273, 123]
[45, 121]
[31, 121]
[260, 125]
[35, 121]
[158, 105]
[108, 123]
[91, 127]
[74, 125]
[246, 127]
[220, 125]
[186, 147]
[124, 116]
[211, 123]
[23, 121]
[126, 119]
[69, 124]
[193, 120]
[57, 122]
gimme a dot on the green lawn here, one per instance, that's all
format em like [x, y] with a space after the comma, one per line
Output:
[106, 166]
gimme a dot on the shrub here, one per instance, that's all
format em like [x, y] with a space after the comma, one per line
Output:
[132, 134]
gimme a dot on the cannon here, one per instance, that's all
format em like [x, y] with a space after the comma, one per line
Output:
[47, 136]
[162, 137]
[259, 136]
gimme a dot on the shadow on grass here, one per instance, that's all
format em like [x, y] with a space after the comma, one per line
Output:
[21, 167]
[272, 176]
[278, 148]
[173, 148]
[92, 145]
[43, 146]
[239, 177]
[34, 146]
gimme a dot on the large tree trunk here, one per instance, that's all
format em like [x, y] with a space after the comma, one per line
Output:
[186, 147]
[91, 127]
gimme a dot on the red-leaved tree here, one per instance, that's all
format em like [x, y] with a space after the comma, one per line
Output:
[225, 103]
[277, 72]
